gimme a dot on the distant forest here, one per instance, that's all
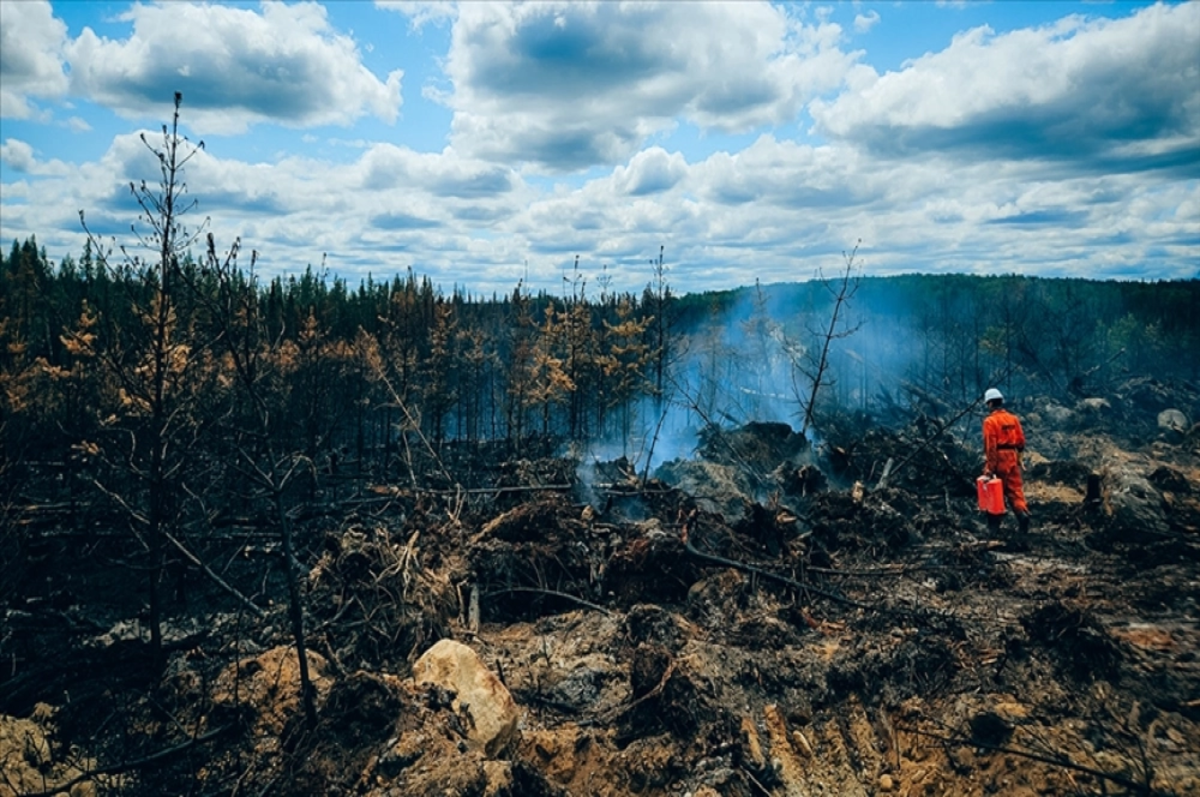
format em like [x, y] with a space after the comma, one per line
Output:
[201, 356]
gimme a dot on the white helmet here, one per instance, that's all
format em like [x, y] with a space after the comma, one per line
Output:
[992, 394]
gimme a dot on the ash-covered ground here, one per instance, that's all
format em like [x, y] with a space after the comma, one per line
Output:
[764, 617]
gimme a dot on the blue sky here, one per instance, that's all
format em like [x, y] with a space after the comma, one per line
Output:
[482, 143]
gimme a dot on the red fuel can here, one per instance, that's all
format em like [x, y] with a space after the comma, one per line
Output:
[991, 494]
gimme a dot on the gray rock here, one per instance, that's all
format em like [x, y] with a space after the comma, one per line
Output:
[1094, 406]
[1173, 420]
[1056, 414]
[1135, 504]
[580, 688]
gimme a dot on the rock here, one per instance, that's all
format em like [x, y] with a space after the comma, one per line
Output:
[1057, 414]
[1173, 421]
[456, 667]
[1170, 480]
[1135, 504]
[580, 687]
[800, 742]
[499, 778]
[718, 488]
[1147, 394]
[1093, 405]
[27, 762]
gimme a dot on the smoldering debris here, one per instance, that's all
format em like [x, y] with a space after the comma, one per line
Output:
[771, 616]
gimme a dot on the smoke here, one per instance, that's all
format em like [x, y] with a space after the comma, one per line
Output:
[738, 365]
[752, 359]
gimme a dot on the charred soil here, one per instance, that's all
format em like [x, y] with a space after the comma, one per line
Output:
[768, 618]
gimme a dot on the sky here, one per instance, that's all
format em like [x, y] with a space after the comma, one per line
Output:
[485, 144]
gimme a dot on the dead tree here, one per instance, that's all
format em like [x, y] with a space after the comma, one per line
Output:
[842, 289]
[257, 361]
[152, 364]
[658, 294]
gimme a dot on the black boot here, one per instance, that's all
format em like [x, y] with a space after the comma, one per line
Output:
[1023, 522]
[993, 523]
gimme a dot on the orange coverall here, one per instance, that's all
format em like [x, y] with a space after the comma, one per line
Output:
[1003, 440]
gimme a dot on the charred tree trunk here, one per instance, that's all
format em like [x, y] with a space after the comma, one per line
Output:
[295, 608]
[847, 287]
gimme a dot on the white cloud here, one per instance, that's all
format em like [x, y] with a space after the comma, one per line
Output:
[789, 175]
[776, 210]
[421, 12]
[31, 60]
[651, 171]
[235, 67]
[1073, 90]
[864, 22]
[385, 166]
[570, 85]
[19, 156]
[573, 85]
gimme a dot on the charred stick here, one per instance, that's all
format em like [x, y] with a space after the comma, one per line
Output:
[754, 780]
[346, 604]
[552, 592]
[800, 585]
[746, 568]
[653, 443]
[879, 572]
[611, 714]
[920, 446]
[216, 579]
[534, 488]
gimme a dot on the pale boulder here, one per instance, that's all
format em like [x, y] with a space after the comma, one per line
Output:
[1173, 420]
[478, 693]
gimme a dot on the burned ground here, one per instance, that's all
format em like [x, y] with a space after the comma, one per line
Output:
[770, 617]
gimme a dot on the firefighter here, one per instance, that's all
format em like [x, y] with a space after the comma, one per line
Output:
[1003, 442]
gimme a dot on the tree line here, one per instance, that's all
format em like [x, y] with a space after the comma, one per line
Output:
[356, 375]
[946, 336]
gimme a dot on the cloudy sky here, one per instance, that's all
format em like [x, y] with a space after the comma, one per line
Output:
[485, 143]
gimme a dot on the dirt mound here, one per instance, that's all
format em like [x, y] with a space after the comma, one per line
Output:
[881, 519]
[30, 763]
[757, 446]
[1073, 637]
